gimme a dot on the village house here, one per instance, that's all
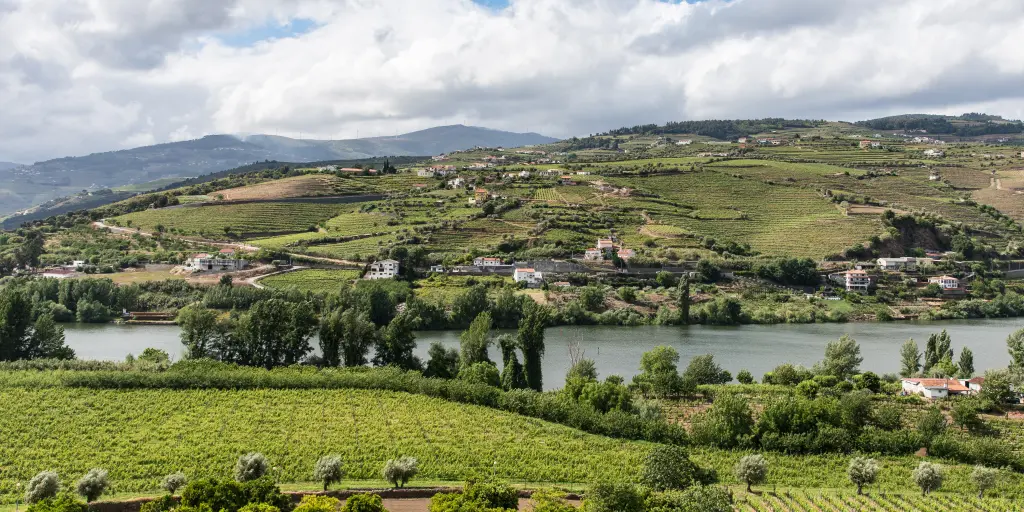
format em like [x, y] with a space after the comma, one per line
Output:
[425, 173]
[857, 281]
[224, 260]
[582, 173]
[527, 275]
[625, 254]
[487, 262]
[945, 282]
[864, 144]
[934, 153]
[594, 254]
[684, 142]
[75, 265]
[384, 269]
[742, 140]
[437, 268]
[524, 174]
[480, 195]
[904, 264]
[933, 388]
[439, 158]
[605, 245]
[457, 183]
[567, 180]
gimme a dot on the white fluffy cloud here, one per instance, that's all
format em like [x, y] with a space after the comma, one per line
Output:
[79, 76]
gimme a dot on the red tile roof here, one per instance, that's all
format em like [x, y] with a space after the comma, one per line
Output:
[950, 384]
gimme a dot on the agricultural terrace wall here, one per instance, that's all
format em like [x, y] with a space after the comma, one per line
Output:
[317, 200]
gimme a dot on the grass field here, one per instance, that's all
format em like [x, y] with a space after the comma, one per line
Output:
[312, 280]
[241, 219]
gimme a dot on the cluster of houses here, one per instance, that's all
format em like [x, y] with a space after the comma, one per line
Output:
[436, 170]
[942, 388]
[483, 264]
[859, 280]
[224, 260]
[605, 249]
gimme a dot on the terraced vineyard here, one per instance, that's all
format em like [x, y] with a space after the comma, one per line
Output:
[307, 185]
[361, 249]
[811, 501]
[311, 280]
[239, 219]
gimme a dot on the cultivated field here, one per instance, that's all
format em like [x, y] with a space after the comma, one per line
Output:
[308, 185]
[311, 280]
[238, 219]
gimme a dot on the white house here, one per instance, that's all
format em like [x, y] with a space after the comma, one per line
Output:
[76, 265]
[487, 262]
[684, 142]
[593, 254]
[437, 268]
[605, 244]
[425, 173]
[222, 261]
[528, 275]
[626, 254]
[457, 183]
[384, 269]
[857, 281]
[973, 385]
[945, 282]
[524, 174]
[933, 388]
[905, 263]
[934, 152]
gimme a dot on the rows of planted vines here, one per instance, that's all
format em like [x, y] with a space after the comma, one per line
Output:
[240, 219]
[314, 280]
[139, 436]
[815, 501]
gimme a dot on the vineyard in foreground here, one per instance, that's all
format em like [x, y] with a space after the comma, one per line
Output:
[812, 501]
[313, 280]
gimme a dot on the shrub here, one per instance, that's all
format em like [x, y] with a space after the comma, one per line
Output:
[174, 481]
[399, 471]
[965, 414]
[43, 486]
[315, 503]
[493, 495]
[931, 424]
[264, 490]
[328, 470]
[483, 372]
[887, 417]
[984, 478]
[364, 503]
[896, 442]
[728, 423]
[699, 498]
[259, 507]
[550, 501]
[250, 467]
[614, 497]
[161, 504]
[704, 370]
[93, 484]
[669, 467]
[744, 377]
[62, 503]
[928, 477]
[808, 389]
[208, 492]
[862, 471]
[751, 470]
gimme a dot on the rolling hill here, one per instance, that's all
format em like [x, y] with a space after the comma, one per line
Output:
[42, 181]
[8, 165]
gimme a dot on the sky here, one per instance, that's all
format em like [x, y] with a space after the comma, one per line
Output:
[83, 76]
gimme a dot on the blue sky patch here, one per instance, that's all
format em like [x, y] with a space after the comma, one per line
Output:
[269, 30]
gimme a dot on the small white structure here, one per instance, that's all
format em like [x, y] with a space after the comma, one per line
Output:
[527, 275]
[933, 388]
[224, 260]
[437, 268]
[934, 153]
[742, 140]
[384, 269]
[76, 265]
[625, 254]
[904, 264]
[425, 173]
[457, 183]
[487, 262]
[605, 245]
[973, 385]
[594, 254]
[524, 174]
[945, 282]
[684, 142]
[857, 281]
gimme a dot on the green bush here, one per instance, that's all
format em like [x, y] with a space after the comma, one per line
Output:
[614, 497]
[728, 423]
[259, 507]
[317, 503]
[549, 501]
[62, 503]
[364, 503]
[250, 467]
[744, 377]
[228, 496]
[93, 484]
[494, 495]
[699, 498]
[161, 504]
[174, 481]
[670, 467]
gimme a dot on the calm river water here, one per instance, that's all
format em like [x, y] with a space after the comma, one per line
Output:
[617, 350]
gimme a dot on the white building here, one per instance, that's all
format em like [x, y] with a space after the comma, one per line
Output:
[524, 174]
[487, 262]
[593, 254]
[625, 254]
[857, 281]
[457, 183]
[905, 263]
[528, 275]
[933, 388]
[224, 260]
[945, 282]
[76, 265]
[425, 173]
[606, 245]
[384, 269]
[437, 268]
[58, 273]
[934, 153]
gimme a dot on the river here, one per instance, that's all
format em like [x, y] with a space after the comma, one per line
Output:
[617, 350]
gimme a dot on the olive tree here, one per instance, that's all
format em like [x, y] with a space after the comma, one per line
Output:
[250, 467]
[328, 470]
[862, 471]
[174, 481]
[44, 485]
[751, 469]
[928, 477]
[399, 471]
[93, 484]
[984, 478]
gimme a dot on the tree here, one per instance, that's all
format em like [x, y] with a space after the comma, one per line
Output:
[442, 363]
[173, 482]
[931, 353]
[364, 502]
[395, 346]
[512, 374]
[728, 423]
[475, 341]
[1015, 344]
[928, 477]
[669, 467]
[273, 333]
[592, 297]
[842, 358]
[46, 340]
[744, 377]
[862, 471]
[20, 338]
[658, 373]
[614, 497]
[358, 334]
[250, 466]
[984, 478]
[704, 370]
[683, 299]
[331, 335]
[751, 470]
[42, 486]
[531, 342]
[328, 470]
[998, 387]
[198, 330]
[966, 364]
[910, 358]
[965, 414]
[481, 373]
[931, 424]
[399, 471]
[708, 272]
[93, 484]
[226, 280]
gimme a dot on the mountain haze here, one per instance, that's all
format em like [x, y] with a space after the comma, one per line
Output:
[39, 182]
[8, 165]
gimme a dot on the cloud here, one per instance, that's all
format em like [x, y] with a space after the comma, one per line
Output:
[79, 76]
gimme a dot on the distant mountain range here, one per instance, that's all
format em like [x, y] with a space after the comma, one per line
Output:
[8, 165]
[21, 187]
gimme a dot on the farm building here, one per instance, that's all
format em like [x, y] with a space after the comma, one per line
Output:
[384, 269]
[934, 153]
[974, 385]
[864, 144]
[224, 260]
[425, 173]
[480, 195]
[487, 262]
[857, 281]
[593, 254]
[934, 388]
[524, 174]
[606, 245]
[567, 180]
[945, 282]
[906, 263]
[437, 268]
[527, 275]
[625, 254]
